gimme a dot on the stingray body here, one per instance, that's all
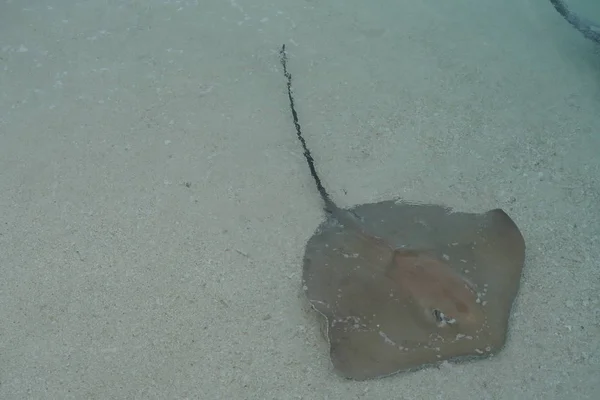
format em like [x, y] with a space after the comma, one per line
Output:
[401, 286]
[588, 28]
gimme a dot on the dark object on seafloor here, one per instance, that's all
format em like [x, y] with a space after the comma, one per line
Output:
[589, 29]
[402, 286]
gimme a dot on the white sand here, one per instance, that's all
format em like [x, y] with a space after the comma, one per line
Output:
[118, 281]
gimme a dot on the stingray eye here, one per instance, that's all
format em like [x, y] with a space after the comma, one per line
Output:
[442, 319]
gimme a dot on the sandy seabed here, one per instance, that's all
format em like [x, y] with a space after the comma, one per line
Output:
[155, 204]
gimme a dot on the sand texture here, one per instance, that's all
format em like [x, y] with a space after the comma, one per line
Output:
[155, 204]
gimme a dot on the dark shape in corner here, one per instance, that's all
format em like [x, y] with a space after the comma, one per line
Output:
[403, 286]
[589, 29]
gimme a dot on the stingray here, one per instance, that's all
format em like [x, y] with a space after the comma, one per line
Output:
[402, 286]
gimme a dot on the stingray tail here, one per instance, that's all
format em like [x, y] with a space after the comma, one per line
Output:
[345, 217]
[329, 205]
